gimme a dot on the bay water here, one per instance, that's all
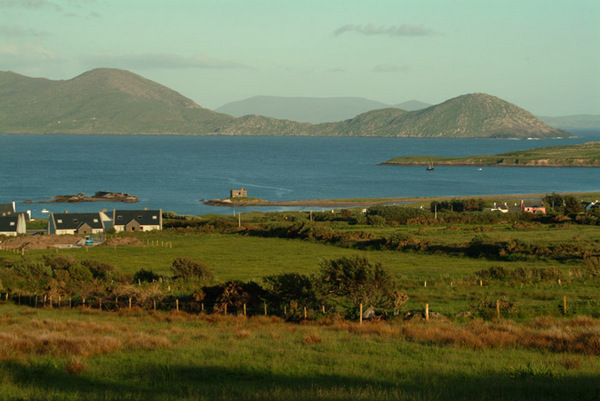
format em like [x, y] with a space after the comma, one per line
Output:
[175, 172]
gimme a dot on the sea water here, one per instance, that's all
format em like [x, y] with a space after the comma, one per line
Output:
[175, 172]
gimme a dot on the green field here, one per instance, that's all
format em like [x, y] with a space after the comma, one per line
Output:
[535, 349]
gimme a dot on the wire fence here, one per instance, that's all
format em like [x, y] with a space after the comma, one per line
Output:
[488, 309]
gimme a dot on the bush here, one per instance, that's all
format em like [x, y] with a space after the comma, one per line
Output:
[146, 276]
[288, 287]
[102, 270]
[396, 214]
[189, 269]
[349, 281]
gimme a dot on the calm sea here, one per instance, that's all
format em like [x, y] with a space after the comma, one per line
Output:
[175, 172]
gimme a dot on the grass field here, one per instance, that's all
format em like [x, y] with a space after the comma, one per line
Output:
[82, 354]
[535, 351]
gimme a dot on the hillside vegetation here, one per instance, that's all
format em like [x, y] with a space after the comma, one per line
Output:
[111, 101]
[583, 155]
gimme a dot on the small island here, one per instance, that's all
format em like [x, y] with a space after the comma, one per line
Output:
[99, 196]
[583, 155]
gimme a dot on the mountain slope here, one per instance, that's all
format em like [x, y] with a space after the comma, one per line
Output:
[304, 109]
[100, 101]
[114, 101]
[468, 116]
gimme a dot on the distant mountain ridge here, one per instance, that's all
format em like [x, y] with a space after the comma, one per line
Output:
[303, 109]
[580, 121]
[111, 101]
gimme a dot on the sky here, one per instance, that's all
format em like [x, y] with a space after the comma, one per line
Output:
[542, 55]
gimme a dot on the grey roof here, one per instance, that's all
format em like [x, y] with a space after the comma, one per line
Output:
[72, 221]
[143, 217]
[6, 209]
[5, 223]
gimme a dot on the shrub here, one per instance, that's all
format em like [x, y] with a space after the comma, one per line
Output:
[288, 287]
[102, 270]
[189, 269]
[146, 276]
[349, 281]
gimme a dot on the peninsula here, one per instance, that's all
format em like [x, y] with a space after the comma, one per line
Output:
[583, 155]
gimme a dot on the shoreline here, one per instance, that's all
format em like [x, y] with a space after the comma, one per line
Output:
[450, 164]
[362, 202]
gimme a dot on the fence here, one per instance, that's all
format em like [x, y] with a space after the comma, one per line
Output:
[497, 309]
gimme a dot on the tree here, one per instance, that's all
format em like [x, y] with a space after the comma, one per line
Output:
[572, 205]
[288, 287]
[554, 201]
[350, 281]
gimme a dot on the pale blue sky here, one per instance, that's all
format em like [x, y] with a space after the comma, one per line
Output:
[542, 55]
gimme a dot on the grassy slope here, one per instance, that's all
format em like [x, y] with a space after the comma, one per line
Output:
[170, 356]
[178, 357]
[100, 101]
[585, 155]
[452, 285]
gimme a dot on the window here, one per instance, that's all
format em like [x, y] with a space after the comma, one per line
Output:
[95, 220]
[154, 217]
[59, 221]
[12, 223]
[119, 217]
[74, 220]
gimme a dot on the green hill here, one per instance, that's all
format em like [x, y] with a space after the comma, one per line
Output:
[111, 101]
[584, 155]
[468, 116]
[100, 101]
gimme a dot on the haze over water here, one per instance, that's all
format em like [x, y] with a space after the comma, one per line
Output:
[175, 172]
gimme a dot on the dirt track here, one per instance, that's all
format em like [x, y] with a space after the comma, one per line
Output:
[39, 241]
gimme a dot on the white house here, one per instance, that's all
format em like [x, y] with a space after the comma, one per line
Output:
[137, 220]
[13, 225]
[75, 223]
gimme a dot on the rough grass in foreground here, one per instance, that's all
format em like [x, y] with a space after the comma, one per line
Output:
[176, 356]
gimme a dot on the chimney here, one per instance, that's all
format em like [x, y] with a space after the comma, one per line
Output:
[14, 207]
[146, 208]
[66, 211]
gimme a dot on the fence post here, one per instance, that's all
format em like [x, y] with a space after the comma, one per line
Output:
[244, 309]
[427, 312]
[225, 308]
[284, 310]
[323, 309]
[129, 302]
[565, 304]
[481, 283]
[265, 309]
[100, 303]
[425, 284]
[360, 318]
[498, 308]
[305, 314]
[177, 304]
[202, 307]
[154, 304]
